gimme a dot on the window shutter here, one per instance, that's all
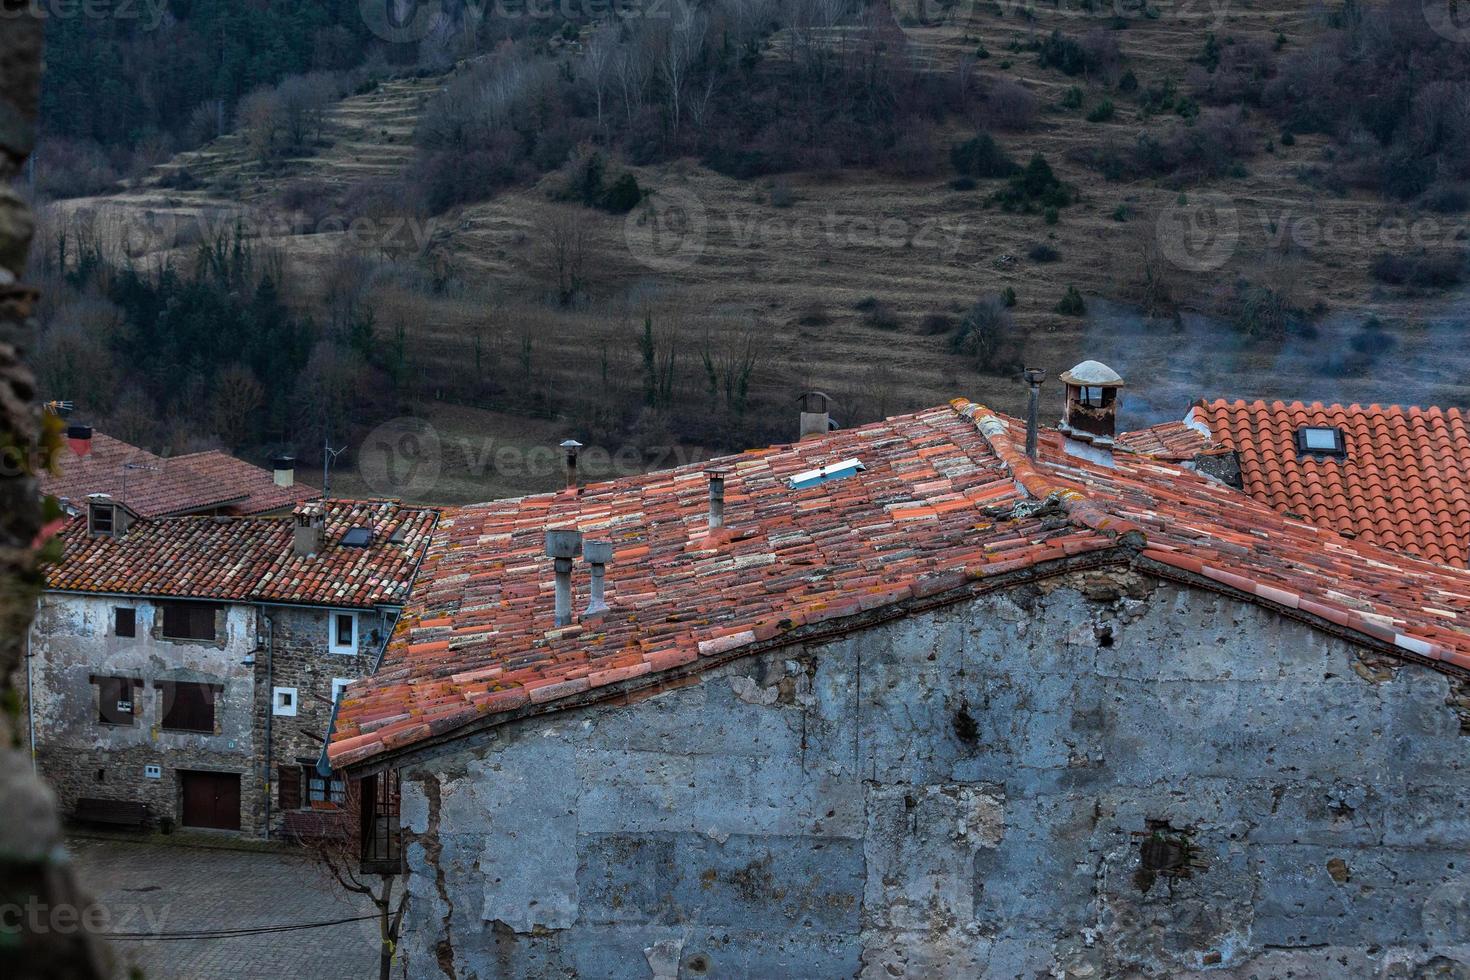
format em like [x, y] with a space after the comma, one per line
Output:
[288, 787]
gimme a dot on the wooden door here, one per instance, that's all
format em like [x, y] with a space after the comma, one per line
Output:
[211, 799]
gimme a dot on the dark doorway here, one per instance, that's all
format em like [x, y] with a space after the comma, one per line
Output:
[211, 799]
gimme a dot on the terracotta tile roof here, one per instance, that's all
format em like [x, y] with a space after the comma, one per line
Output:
[948, 506]
[1402, 483]
[250, 559]
[1176, 441]
[262, 494]
[157, 486]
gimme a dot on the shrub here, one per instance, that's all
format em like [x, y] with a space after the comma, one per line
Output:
[981, 156]
[962, 184]
[1102, 112]
[1043, 253]
[623, 196]
[1129, 82]
[1010, 105]
[986, 334]
[814, 314]
[1427, 270]
[1261, 312]
[880, 315]
[934, 324]
[1008, 296]
[1062, 53]
[1072, 303]
[1072, 98]
[1035, 186]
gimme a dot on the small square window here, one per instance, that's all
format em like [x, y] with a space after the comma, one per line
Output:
[284, 701]
[1320, 441]
[125, 621]
[100, 519]
[342, 628]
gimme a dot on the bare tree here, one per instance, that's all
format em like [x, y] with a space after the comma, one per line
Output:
[680, 48]
[259, 118]
[598, 69]
[564, 250]
[634, 66]
[336, 845]
[237, 397]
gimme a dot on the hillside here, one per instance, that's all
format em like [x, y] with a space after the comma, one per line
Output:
[850, 281]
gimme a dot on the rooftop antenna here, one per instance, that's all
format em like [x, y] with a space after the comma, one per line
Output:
[328, 456]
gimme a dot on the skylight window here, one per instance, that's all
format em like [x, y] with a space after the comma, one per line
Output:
[357, 537]
[826, 474]
[1320, 441]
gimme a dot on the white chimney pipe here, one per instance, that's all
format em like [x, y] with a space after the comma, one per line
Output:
[283, 471]
[562, 545]
[598, 554]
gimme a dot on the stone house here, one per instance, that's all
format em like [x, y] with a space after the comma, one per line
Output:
[183, 670]
[903, 701]
[146, 485]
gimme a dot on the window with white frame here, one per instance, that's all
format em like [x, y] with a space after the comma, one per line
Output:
[283, 701]
[343, 627]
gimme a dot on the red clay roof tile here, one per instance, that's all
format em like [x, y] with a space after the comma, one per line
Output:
[1400, 484]
[819, 565]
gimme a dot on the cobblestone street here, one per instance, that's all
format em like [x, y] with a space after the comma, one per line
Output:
[157, 888]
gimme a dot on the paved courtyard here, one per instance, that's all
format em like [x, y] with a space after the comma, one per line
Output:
[161, 889]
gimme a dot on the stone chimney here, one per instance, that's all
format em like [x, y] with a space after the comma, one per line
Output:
[816, 415]
[309, 529]
[283, 471]
[1090, 418]
[79, 438]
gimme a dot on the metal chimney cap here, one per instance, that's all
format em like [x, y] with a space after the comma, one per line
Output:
[563, 542]
[283, 462]
[1033, 376]
[718, 472]
[78, 431]
[570, 444]
[597, 551]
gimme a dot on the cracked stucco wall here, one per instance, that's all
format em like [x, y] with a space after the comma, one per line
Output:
[968, 793]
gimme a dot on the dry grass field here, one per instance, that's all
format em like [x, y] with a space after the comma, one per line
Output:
[791, 260]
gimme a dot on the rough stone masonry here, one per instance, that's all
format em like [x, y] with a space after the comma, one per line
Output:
[1097, 776]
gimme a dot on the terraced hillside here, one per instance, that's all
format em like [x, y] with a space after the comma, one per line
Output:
[844, 276]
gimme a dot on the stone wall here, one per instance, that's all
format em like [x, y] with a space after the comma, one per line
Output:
[302, 661]
[1105, 777]
[73, 641]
